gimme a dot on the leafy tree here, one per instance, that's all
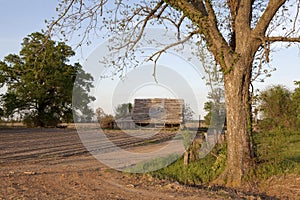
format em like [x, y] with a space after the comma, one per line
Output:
[188, 113]
[276, 106]
[236, 32]
[123, 110]
[296, 103]
[40, 83]
[215, 114]
[215, 107]
[208, 107]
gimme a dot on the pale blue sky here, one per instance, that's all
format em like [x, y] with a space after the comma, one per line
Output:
[18, 18]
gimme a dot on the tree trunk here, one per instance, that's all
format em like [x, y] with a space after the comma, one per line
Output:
[238, 111]
[39, 119]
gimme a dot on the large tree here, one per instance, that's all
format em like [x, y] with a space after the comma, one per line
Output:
[40, 83]
[238, 33]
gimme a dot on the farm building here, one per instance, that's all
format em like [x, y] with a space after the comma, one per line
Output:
[153, 113]
[158, 112]
[125, 123]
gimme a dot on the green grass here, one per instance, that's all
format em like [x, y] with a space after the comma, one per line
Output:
[149, 166]
[199, 172]
[278, 153]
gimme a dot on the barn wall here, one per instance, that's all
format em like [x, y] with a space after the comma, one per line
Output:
[158, 110]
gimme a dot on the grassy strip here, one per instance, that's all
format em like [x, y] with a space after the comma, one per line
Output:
[199, 172]
[278, 153]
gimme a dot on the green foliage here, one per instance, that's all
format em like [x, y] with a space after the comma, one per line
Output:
[278, 153]
[279, 108]
[208, 106]
[296, 103]
[215, 114]
[152, 165]
[202, 171]
[40, 83]
[123, 110]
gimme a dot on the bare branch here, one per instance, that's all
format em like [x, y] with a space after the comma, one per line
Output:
[198, 4]
[295, 21]
[162, 10]
[282, 39]
[179, 25]
[212, 34]
[195, 10]
[267, 16]
[157, 54]
[260, 65]
[204, 17]
[211, 14]
[54, 23]
[233, 7]
[145, 21]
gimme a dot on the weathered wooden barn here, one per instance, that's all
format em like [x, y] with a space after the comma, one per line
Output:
[158, 112]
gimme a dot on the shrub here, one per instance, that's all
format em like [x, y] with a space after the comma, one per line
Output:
[106, 122]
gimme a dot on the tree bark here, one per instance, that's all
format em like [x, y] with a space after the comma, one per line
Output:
[237, 80]
[238, 113]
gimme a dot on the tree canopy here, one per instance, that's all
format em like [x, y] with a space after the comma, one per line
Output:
[123, 110]
[40, 83]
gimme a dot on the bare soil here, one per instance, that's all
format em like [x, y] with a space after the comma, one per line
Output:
[53, 164]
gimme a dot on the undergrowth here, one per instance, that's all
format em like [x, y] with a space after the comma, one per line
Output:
[277, 153]
[199, 172]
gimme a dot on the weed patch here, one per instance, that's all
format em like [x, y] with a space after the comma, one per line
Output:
[199, 172]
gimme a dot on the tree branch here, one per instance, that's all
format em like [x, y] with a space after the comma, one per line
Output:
[194, 13]
[157, 54]
[282, 39]
[54, 23]
[178, 25]
[203, 15]
[245, 12]
[267, 16]
[145, 21]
